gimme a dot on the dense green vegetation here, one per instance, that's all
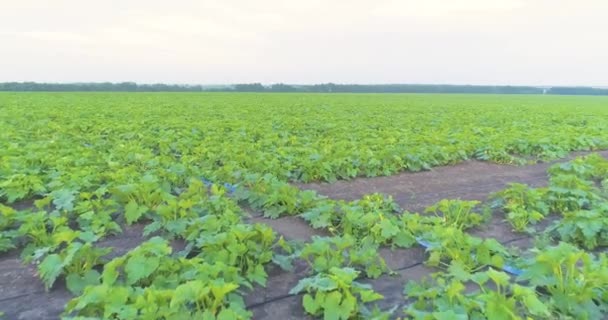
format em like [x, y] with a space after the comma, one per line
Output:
[86, 166]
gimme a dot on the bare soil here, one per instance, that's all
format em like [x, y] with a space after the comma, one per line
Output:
[470, 180]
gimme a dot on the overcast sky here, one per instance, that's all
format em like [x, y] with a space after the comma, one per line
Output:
[533, 42]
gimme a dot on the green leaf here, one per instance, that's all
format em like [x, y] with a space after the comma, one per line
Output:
[480, 278]
[498, 277]
[6, 243]
[310, 305]
[64, 236]
[50, 268]
[434, 259]
[221, 290]
[110, 272]
[87, 236]
[91, 296]
[458, 271]
[258, 274]
[133, 212]
[498, 309]
[283, 261]
[64, 199]
[76, 283]
[348, 306]
[325, 284]
[454, 289]
[151, 228]
[183, 293]
[227, 314]
[332, 307]
[497, 261]
[139, 267]
[535, 306]
[301, 286]
[369, 296]
[388, 229]
[404, 239]
[449, 315]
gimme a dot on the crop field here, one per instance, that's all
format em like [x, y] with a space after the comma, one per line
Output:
[303, 206]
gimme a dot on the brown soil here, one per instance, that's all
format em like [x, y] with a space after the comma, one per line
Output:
[470, 180]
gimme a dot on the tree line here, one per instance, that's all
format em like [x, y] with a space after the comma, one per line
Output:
[281, 87]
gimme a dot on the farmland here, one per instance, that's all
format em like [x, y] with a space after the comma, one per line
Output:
[238, 206]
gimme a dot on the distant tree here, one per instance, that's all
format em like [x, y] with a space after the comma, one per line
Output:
[249, 87]
[578, 91]
[281, 87]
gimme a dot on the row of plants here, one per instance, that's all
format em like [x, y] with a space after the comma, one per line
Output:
[576, 197]
[559, 278]
[559, 282]
[224, 256]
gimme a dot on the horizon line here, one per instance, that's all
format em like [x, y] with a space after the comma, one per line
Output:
[308, 84]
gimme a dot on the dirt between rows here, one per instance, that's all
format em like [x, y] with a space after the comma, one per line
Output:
[471, 180]
[22, 295]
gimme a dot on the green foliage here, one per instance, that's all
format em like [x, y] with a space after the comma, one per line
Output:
[63, 199]
[148, 282]
[269, 194]
[324, 253]
[590, 167]
[8, 224]
[324, 215]
[21, 186]
[450, 244]
[481, 295]
[139, 264]
[134, 212]
[194, 299]
[585, 228]
[520, 218]
[457, 213]
[523, 205]
[195, 212]
[573, 282]
[568, 192]
[46, 232]
[247, 247]
[76, 261]
[335, 294]
[96, 214]
[373, 219]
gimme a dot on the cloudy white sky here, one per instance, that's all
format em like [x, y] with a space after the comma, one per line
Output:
[535, 42]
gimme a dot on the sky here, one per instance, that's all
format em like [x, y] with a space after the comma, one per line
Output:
[487, 42]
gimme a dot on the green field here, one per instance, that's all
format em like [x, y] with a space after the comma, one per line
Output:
[294, 137]
[77, 168]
